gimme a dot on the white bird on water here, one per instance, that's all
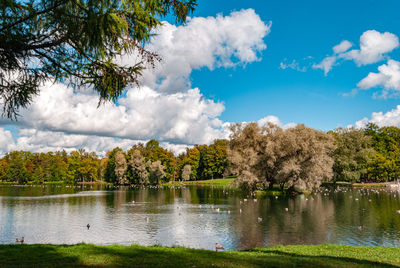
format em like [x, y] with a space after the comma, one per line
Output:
[259, 219]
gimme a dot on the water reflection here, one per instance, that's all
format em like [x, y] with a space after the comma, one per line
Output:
[196, 217]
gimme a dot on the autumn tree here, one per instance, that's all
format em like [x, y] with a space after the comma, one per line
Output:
[137, 166]
[77, 41]
[187, 170]
[298, 157]
[120, 168]
[156, 173]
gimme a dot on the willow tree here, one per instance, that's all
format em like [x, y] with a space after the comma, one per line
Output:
[137, 164]
[157, 172]
[187, 170]
[77, 41]
[262, 156]
[120, 168]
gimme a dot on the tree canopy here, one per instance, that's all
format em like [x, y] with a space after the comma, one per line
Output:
[76, 42]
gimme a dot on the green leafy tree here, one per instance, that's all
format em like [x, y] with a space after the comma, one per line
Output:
[16, 171]
[385, 165]
[109, 174]
[77, 41]
[191, 158]
[352, 154]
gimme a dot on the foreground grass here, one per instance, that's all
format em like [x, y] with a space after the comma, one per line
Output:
[83, 255]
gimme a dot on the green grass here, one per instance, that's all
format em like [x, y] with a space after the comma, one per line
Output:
[357, 184]
[216, 182]
[84, 255]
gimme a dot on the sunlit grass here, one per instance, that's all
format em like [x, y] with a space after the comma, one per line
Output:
[83, 255]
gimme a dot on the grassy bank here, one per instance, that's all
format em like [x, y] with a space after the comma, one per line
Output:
[216, 182]
[83, 255]
[357, 184]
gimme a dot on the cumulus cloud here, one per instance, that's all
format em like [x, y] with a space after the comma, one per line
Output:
[342, 47]
[388, 78]
[373, 48]
[211, 42]
[391, 118]
[183, 117]
[6, 141]
[50, 141]
[275, 120]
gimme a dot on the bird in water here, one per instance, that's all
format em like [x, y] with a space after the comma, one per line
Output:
[259, 219]
[218, 246]
[360, 227]
[19, 240]
[88, 226]
[147, 219]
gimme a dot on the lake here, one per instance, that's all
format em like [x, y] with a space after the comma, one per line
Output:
[196, 217]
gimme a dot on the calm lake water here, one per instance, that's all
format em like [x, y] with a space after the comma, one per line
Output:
[197, 217]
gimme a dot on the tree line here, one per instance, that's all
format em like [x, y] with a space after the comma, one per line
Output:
[298, 158]
[142, 164]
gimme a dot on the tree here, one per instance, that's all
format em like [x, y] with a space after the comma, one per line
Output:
[213, 160]
[156, 172]
[120, 168]
[385, 165]
[109, 174]
[191, 158]
[298, 157]
[77, 41]
[137, 164]
[352, 154]
[187, 170]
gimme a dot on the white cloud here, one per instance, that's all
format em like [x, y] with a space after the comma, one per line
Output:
[391, 118]
[388, 78]
[183, 117]
[373, 48]
[342, 47]
[6, 141]
[326, 64]
[45, 141]
[275, 120]
[293, 65]
[211, 42]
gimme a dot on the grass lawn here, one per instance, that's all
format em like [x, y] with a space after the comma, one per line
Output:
[216, 182]
[85, 255]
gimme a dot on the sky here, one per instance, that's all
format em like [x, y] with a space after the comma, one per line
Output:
[326, 64]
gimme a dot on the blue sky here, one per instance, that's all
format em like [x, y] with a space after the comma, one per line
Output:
[301, 29]
[216, 71]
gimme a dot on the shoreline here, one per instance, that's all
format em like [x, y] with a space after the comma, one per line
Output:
[83, 255]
